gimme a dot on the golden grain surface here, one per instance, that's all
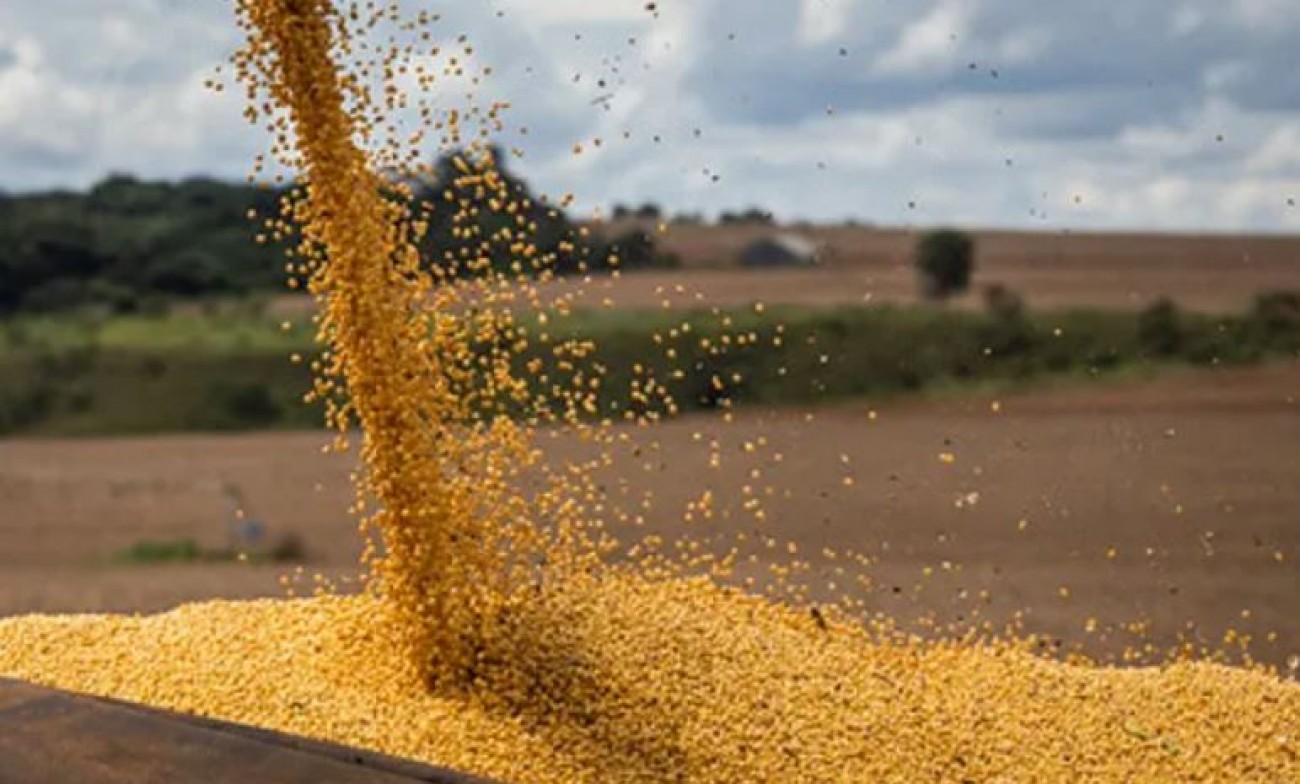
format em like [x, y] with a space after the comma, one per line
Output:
[624, 679]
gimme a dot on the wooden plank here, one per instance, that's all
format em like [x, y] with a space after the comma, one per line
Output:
[54, 737]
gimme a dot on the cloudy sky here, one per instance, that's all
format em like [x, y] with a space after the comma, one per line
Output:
[1176, 114]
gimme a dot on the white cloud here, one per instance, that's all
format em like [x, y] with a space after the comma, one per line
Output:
[930, 43]
[1246, 200]
[1187, 19]
[1279, 152]
[1264, 14]
[121, 38]
[40, 113]
[1222, 75]
[577, 12]
[823, 20]
[1023, 46]
[726, 106]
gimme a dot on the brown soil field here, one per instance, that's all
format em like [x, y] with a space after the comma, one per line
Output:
[1207, 273]
[1050, 270]
[1170, 500]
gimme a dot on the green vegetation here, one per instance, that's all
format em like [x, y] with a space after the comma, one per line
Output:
[158, 552]
[151, 551]
[636, 249]
[945, 259]
[227, 369]
[127, 245]
[752, 215]
[848, 352]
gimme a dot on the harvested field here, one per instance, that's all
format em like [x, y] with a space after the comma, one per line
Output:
[1212, 274]
[859, 246]
[1050, 270]
[1209, 290]
[1190, 478]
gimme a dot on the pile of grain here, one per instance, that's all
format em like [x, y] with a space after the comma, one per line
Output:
[624, 679]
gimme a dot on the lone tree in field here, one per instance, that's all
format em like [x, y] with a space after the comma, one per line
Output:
[944, 259]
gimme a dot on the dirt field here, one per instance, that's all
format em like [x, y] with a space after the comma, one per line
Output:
[1213, 274]
[1050, 270]
[1191, 479]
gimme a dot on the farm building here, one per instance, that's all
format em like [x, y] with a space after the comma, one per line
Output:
[781, 250]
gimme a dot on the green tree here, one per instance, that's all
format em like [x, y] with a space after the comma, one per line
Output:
[636, 249]
[945, 260]
[481, 218]
[1161, 331]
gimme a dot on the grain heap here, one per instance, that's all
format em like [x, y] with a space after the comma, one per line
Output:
[492, 637]
[640, 681]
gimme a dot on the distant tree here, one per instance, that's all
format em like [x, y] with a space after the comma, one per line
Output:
[126, 243]
[750, 215]
[1009, 331]
[1160, 328]
[945, 260]
[636, 249]
[125, 196]
[475, 207]
[621, 211]
[1278, 311]
[189, 272]
[1003, 302]
[649, 210]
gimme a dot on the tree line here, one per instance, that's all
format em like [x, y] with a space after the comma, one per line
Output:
[127, 244]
